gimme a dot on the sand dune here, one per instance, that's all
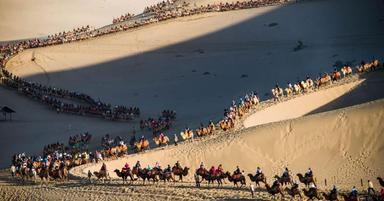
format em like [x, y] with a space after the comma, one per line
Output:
[29, 19]
[195, 65]
[299, 106]
[334, 144]
[195, 69]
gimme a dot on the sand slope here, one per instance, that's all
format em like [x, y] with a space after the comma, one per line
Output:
[27, 19]
[334, 144]
[299, 106]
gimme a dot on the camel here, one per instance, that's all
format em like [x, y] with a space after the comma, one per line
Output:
[312, 193]
[27, 173]
[336, 75]
[284, 180]
[296, 89]
[140, 173]
[277, 92]
[160, 142]
[187, 134]
[274, 190]
[375, 64]
[288, 91]
[211, 178]
[54, 171]
[258, 178]
[293, 191]
[63, 172]
[305, 180]
[180, 172]
[324, 80]
[349, 197]
[23, 172]
[381, 181]
[226, 124]
[102, 175]
[310, 83]
[303, 86]
[124, 175]
[205, 130]
[140, 146]
[332, 196]
[202, 172]
[346, 71]
[37, 164]
[43, 174]
[166, 176]
[153, 174]
[122, 149]
[236, 178]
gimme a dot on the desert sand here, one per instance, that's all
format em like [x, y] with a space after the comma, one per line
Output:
[196, 65]
[30, 19]
[196, 69]
[333, 143]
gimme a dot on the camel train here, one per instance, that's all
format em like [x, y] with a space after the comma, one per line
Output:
[327, 78]
[282, 186]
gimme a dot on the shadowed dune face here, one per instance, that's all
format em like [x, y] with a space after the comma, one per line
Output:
[194, 65]
[334, 144]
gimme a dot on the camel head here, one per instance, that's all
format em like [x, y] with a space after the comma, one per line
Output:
[276, 177]
[251, 177]
[185, 171]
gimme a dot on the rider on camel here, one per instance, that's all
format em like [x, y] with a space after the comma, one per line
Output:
[219, 169]
[309, 173]
[211, 123]
[161, 136]
[103, 168]
[237, 171]
[157, 165]
[286, 172]
[125, 168]
[212, 171]
[177, 165]
[334, 190]
[202, 165]
[258, 171]
[142, 140]
[137, 165]
[168, 169]
[353, 192]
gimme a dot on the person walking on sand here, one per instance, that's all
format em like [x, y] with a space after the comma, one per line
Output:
[197, 180]
[89, 176]
[13, 171]
[176, 139]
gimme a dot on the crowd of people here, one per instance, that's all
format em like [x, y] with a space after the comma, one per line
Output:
[123, 18]
[56, 99]
[161, 6]
[80, 141]
[162, 123]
